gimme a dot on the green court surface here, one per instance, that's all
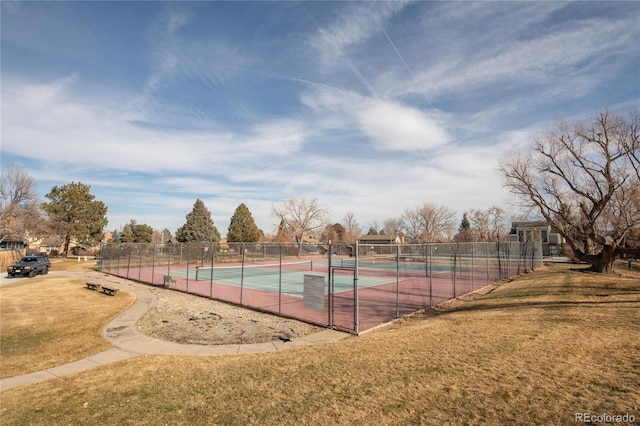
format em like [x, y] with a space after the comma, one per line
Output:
[289, 282]
[389, 264]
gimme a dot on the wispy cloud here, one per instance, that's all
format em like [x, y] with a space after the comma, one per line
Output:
[355, 24]
[388, 125]
[562, 53]
[394, 127]
[265, 162]
[95, 134]
[372, 107]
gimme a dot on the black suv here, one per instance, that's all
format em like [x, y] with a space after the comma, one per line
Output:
[30, 265]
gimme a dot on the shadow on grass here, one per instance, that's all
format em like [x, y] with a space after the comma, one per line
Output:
[615, 292]
[550, 291]
[614, 304]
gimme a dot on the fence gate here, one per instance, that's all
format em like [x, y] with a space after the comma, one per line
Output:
[343, 299]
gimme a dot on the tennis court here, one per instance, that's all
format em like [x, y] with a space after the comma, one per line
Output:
[388, 265]
[287, 278]
[392, 279]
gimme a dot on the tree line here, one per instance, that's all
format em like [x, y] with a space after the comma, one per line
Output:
[582, 178]
[74, 214]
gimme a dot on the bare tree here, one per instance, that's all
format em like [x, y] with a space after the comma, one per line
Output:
[583, 179]
[412, 224]
[429, 222]
[161, 236]
[20, 211]
[439, 221]
[352, 227]
[301, 217]
[631, 143]
[488, 225]
[393, 227]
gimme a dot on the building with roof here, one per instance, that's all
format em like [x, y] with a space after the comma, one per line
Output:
[537, 231]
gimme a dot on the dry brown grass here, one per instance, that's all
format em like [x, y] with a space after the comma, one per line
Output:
[45, 322]
[534, 351]
[72, 264]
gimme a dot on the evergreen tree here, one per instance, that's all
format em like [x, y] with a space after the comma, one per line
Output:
[134, 232]
[127, 235]
[242, 227]
[199, 226]
[142, 233]
[465, 225]
[340, 232]
[77, 213]
[283, 236]
[464, 230]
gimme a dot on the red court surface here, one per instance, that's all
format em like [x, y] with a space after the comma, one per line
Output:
[404, 293]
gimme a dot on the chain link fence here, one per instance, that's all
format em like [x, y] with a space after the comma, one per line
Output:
[351, 287]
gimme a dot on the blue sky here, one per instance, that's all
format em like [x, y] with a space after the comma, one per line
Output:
[372, 107]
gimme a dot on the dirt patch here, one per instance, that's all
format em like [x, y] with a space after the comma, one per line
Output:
[188, 319]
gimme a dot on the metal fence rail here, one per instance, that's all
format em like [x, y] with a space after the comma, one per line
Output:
[349, 287]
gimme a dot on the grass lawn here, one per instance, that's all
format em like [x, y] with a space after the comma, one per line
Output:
[537, 350]
[52, 320]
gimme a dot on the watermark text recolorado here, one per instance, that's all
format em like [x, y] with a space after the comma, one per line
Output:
[604, 418]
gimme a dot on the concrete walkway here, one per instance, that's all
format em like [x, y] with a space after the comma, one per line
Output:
[128, 342]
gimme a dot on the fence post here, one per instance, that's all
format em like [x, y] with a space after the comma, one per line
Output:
[500, 261]
[242, 272]
[169, 248]
[188, 256]
[486, 253]
[99, 260]
[330, 285]
[279, 278]
[455, 269]
[356, 308]
[119, 253]
[426, 260]
[153, 263]
[129, 259]
[430, 275]
[140, 259]
[508, 248]
[397, 280]
[213, 253]
[473, 266]
[105, 267]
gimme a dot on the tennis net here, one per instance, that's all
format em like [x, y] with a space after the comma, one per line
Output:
[236, 272]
